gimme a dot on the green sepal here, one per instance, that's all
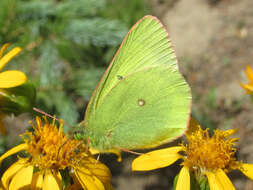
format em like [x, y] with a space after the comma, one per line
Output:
[66, 178]
[18, 100]
[175, 182]
[201, 183]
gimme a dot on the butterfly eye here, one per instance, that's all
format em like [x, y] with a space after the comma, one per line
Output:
[141, 102]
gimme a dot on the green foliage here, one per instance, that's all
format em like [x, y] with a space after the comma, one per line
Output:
[18, 100]
[2, 144]
[95, 31]
[85, 80]
[122, 10]
[66, 46]
[211, 99]
[76, 8]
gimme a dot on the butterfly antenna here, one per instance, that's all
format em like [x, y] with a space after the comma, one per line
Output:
[129, 151]
[50, 116]
[44, 113]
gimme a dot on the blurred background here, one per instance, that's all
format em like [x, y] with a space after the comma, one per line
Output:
[67, 45]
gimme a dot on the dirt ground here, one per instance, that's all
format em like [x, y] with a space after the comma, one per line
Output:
[213, 40]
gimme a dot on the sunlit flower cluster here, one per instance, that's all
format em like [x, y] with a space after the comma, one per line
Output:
[55, 161]
[51, 154]
[203, 156]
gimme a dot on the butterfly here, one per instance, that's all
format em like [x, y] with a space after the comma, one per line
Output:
[142, 100]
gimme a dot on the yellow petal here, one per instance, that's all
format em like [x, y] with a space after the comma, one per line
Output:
[3, 48]
[156, 159]
[184, 182]
[219, 180]
[22, 178]
[214, 184]
[37, 181]
[99, 170]
[10, 172]
[230, 132]
[13, 151]
[2, 126]
[52, 181]
[88, 180]
[94, 151]
[249, 73]
[247, 87]
[6, 58]
[247, 169]
[224, 180]
[9, 79]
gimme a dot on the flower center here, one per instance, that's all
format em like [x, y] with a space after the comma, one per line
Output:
[211, 153]
[49, 147]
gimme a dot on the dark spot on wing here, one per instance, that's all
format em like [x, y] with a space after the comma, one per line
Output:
[120, 77]
[141, 102]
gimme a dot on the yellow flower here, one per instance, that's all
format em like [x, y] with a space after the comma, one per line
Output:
[52, 153]
[248, 87]
[13, 78]
[204, 156]
[9, 79]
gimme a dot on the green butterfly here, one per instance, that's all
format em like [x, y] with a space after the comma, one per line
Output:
[142, 100]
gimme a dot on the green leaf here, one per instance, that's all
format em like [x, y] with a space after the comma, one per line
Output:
[18, 100]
